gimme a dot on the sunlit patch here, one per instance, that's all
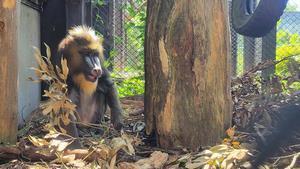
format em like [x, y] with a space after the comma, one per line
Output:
[9, 4]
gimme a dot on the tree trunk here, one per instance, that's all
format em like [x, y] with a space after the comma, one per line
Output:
[8, 74]
[187, 69]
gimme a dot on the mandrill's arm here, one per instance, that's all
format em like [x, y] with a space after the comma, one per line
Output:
[115, 107]
[113, 101]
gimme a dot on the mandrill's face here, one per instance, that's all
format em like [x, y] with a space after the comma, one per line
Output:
[83, 50]
[91, 66]
[86, 58]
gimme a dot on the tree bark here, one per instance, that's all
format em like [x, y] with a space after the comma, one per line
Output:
[8, 74]
[187, 69]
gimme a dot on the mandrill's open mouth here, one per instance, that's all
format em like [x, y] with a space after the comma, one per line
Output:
[92, 77]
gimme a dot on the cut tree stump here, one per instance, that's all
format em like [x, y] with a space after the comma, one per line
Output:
[187, 70]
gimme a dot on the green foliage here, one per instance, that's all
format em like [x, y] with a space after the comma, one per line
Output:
[98, 2]
[134, 24]
[132, 75]
[291, 7]
[240, 63]
[240, 56]
[135, 34]
[131, 86]
[135, 29]
[288, 46]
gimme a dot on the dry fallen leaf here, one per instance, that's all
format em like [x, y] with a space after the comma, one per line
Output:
[59, 144]
[156, 160]
[126, 165]
[204, 153]
[193, 165]
[235, 144]
[113, 162]
[197, 163]
[185, 158]
[79, 163]
[65, 70]
[37, 166]
[68, 158]
[230, 132]
[123, 142]
[219, 148]
[234, 155]
[38, 142]
[159, 159]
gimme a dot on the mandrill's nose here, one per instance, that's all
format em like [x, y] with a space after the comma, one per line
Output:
[96, 72]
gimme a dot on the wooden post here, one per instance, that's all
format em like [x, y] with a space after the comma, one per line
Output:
[269, 51]
[8, 75]
[187, 71]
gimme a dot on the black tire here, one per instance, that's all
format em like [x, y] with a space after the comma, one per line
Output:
[259, 22]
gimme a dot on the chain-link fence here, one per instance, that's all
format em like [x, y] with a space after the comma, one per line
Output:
[122, 24]
[282, 41]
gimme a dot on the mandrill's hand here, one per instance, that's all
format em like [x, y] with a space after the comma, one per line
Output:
[117, 123]
[115, 107]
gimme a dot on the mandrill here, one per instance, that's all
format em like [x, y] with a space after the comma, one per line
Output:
[90, 85]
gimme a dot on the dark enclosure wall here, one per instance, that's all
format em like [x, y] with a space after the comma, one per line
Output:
[53, 28]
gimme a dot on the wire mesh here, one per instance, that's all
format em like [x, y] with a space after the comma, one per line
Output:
[283, 41]
[122, 24]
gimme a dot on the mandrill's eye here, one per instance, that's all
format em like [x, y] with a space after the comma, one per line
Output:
[92, 60]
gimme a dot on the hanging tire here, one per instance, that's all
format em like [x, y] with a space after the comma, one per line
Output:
[256, 21]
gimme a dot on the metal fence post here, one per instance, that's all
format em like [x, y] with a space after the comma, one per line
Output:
[249, 53]
[78, 12]
[269, 51]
